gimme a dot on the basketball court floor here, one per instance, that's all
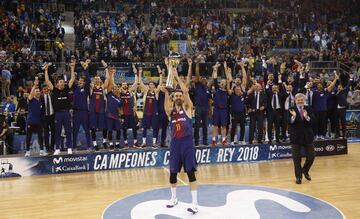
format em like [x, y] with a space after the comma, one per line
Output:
[252, 190]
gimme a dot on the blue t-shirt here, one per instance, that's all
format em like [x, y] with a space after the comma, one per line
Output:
[34, 116]
[113, 105]
[320, 101]
[237, 103]
[202, 95]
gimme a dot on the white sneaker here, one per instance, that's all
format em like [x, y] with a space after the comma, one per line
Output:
[69, 150]
[242, 142]
[233, 143]
[57, 152]
[27, 154]
[172, 203]
[43, 153]
[193, 209]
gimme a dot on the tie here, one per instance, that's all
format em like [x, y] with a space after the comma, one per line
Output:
[301, 111]
[290, 99]
[257, 101]
[274, 102]
[47, 105]
[309, 98]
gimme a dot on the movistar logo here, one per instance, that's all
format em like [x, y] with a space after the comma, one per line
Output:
[58, 160]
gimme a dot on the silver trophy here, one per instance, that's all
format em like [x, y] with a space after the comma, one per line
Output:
[173, 62]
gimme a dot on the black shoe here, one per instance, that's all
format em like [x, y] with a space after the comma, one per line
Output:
[278, 142]
[298, 180]
[260, 142]
[270, 142]
[105, 145]
[307, 176]
[155, 146]
[196, 144]
[96, 148]
[163, 145]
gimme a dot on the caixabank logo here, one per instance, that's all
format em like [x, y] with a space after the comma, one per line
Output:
[223, 202]
[70, 164]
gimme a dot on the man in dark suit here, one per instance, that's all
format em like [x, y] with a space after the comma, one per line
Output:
[257, 101]
[48, 119]
[301, 135]
[275, 105]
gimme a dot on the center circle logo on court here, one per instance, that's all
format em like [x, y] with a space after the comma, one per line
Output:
[223, 201]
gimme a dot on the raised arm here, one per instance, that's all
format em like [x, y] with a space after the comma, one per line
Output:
[160, 71]
[167, 102]
[187, 101]
[215, 74]
[228, 80]
[197, 70]
[32, 93]
[47, 80]
[110, 83]
[244, 76]
[144, 88]
[333, 83]
[72, 71]
[135, 85]
[189, 75]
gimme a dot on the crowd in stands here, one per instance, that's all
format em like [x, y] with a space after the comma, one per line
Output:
[327, 28]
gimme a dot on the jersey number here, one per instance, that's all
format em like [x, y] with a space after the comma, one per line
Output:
[178, 127]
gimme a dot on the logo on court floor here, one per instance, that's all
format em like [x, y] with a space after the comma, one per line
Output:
[223, 201]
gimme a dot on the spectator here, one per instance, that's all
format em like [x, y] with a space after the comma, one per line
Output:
[5, 81]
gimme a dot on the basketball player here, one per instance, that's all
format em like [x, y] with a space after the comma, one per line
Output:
[182, 149]
[113, 105]
[220, 116]
[163, 118]
[151, 113]
[62, 106]
[97, 109]
[81, 111]
[129, 109]
[34, 119]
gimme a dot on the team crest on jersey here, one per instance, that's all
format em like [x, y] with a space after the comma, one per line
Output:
[223, 201]
[181, 112]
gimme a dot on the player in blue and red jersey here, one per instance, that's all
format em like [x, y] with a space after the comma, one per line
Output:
[113, 104]
[97, 110]
[151, 113]
[129, 109]
[182, 149]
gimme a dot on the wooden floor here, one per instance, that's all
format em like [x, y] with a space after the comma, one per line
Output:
[336, 179]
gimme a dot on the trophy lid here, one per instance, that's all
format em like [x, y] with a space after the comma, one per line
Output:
[174, 55]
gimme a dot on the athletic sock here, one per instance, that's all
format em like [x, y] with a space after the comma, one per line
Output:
[144, 140]
[173, 192]
[154, 140]
[194, 197]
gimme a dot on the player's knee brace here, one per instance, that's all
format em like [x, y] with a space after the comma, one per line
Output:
[173, 178]
[191, 176]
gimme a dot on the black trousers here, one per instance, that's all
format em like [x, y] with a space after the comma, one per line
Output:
[321, 123]
[310, 157]
[256, 121]
[341, 117]
[34, 129]
[201, 120]
[331, 115]
[49, 126]
[237, 118]
[274, 118]
[285, 118]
